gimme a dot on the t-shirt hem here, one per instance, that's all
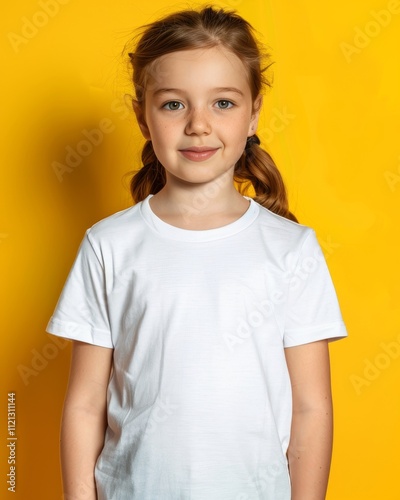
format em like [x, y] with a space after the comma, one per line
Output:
[330, 332]
[82, 333]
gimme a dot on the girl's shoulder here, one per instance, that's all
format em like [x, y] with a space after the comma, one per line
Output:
[116, 225]
[275, 226]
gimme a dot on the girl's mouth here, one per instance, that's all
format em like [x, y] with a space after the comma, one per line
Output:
[198, 153]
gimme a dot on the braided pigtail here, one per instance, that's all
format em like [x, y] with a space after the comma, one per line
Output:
[150, 178]
[257, 167]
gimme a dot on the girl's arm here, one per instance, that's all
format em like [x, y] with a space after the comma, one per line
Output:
[310, 447]
[84, 419]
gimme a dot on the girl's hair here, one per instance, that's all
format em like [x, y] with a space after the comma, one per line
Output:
[209, 27]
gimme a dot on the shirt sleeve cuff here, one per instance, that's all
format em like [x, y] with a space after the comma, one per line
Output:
[82, 333]
[330, 332]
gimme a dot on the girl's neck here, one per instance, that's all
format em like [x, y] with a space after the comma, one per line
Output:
[199, 208]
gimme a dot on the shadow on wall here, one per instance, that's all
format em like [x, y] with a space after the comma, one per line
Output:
[71, 143]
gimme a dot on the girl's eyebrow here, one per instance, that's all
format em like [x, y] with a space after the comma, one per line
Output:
[181, 91]
[230, 89]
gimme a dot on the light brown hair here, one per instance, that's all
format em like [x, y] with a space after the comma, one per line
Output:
[206, 28]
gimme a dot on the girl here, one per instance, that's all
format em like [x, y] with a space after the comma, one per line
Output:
[200, 316]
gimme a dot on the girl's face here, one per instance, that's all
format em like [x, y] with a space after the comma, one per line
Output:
[198, 113]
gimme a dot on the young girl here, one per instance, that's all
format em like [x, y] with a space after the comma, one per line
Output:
[200, 316]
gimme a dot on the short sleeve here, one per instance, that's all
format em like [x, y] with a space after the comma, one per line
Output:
[313, 312]
[81, 312]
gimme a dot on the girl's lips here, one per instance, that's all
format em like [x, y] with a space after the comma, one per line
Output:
[198, 155]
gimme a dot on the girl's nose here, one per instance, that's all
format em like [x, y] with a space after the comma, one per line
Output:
[198, 122]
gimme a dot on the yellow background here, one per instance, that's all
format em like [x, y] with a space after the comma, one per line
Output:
[337, 147]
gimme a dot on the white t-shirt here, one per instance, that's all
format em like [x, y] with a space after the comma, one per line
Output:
[199, 403]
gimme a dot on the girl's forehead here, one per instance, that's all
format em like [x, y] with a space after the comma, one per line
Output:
[204, 64]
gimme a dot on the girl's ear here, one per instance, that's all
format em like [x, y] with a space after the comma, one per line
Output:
[255, 116]
[138, 109]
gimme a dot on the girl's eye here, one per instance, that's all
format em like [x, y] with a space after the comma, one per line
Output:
[224, 104]
[172, 105]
